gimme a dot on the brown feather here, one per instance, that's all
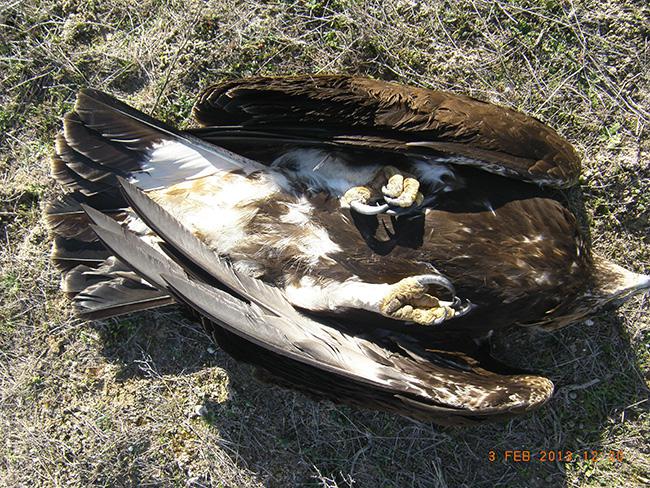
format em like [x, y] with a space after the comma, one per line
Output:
[377, 114]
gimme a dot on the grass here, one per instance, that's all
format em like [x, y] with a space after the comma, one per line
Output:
[113, 403]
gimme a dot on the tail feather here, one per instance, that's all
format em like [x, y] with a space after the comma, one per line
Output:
[83, 276]
[68, 253]
[71, 180]
[110, 289]
[99, 284]
[65, 217]
[117, 122]
[83, 166]
[118, 296]
[114, 156]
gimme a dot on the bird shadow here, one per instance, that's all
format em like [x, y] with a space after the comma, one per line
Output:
[593, 366]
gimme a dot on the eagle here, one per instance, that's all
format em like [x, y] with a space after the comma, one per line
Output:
[354, 239]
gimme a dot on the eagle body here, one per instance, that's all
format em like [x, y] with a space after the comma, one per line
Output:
[519, 256]
[245, 221]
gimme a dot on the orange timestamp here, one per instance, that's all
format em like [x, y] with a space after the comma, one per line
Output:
[555, 455]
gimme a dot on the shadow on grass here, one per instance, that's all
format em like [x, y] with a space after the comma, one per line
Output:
[287, 440]
[162, 337]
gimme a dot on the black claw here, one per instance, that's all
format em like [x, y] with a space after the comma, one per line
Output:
[437, 280]
[462, 307]
[389, 233]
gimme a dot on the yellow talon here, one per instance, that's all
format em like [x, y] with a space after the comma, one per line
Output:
[409, 194]
[401, 190]
[395, 186]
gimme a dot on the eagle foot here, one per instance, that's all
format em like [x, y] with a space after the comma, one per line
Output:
[400, 191]
[409, 300]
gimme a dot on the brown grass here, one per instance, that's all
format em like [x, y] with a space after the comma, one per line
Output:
[113, 403]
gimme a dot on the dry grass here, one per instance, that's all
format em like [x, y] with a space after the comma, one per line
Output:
[111, 403]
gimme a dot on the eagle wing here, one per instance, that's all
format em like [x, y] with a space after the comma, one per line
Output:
[254, 322]
[371, 114]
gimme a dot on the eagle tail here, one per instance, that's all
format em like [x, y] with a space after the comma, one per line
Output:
[100, 285]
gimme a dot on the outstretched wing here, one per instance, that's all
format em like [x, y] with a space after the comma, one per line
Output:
[364, 113]
[254, 322]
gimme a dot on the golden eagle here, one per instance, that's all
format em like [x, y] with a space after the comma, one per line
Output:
[357, 240]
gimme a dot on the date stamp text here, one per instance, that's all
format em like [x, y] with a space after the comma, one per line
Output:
[557, 455]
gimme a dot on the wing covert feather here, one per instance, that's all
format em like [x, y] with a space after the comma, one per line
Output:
[380, 115]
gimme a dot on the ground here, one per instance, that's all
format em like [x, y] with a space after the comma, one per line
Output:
[118, 403]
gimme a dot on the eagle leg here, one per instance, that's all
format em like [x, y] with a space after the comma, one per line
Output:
[407, 300]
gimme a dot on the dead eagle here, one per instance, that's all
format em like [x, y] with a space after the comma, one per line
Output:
[353, 238]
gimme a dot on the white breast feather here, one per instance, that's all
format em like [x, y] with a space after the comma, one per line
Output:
[320, 170]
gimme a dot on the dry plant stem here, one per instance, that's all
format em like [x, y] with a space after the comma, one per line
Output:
[113, 403]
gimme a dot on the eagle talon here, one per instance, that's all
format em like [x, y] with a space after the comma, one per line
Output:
[358, 198]
[436, 279]
[462, 307]
[408, 300]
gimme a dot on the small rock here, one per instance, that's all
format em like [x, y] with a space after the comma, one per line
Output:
[200, 411]
[211, 350]
[589, 322]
